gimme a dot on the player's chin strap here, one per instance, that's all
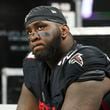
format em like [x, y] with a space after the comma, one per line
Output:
[105, 105]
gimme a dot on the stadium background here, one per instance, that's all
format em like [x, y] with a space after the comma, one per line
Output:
[13, 42]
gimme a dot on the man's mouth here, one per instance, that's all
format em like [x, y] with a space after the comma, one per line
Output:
[38, 48]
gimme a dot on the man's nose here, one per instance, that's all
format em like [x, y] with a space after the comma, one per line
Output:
[34, 36]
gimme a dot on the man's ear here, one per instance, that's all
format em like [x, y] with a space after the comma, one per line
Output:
[64, 31]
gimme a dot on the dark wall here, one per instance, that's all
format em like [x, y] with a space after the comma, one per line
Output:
[12, 12]
[100, 41]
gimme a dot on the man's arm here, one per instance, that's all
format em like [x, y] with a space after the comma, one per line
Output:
[27, 101]
[85, 95]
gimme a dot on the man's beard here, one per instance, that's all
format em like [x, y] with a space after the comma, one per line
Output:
[50, 51]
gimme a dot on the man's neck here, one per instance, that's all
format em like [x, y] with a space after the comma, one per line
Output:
[53, 61]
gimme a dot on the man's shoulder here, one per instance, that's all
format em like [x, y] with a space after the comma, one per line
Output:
[81, 51]
[88, 50]
[81, 47]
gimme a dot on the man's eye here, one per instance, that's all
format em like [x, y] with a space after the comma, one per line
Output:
[40, 28]
[29, 33]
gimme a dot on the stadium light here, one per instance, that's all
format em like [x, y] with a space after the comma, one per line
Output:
[86, 8]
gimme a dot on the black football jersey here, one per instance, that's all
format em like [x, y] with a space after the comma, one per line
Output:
[81, 63]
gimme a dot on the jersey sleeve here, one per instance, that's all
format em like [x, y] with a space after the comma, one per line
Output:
[31, 74]
[88, 63]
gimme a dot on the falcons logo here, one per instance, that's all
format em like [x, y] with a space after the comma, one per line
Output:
[76, 59]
